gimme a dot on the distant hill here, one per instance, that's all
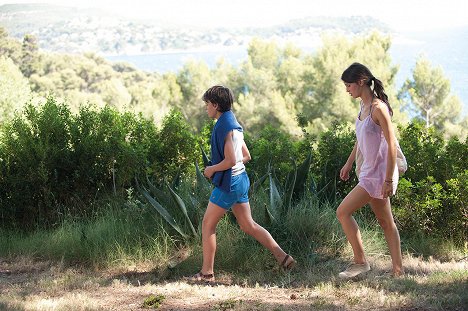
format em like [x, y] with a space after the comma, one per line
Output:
[75, 30]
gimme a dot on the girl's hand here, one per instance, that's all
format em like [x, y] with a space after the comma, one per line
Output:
[208, 172]
[387, 190]
[344, 173]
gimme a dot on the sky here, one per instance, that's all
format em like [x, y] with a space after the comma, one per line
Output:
[401, 15]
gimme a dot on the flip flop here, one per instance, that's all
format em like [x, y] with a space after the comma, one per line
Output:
[288, 263]
[200, 277]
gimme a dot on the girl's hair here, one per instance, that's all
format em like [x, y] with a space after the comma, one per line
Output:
[357, 72]
[220, 95]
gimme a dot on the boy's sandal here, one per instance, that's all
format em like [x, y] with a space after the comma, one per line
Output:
[288, 263]
[200, 277]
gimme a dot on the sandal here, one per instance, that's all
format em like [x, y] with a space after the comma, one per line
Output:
[288, 263]
[200, 277]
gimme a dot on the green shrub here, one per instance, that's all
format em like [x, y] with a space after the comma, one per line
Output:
[424, 150]
[274, 147]
[51, 158]
[177, 149]
[331, 153]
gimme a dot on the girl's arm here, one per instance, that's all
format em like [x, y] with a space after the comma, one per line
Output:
[352, 155]
[344, 173]
[382, 117]
[229, 158]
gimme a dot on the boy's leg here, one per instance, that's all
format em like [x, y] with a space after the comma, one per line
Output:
[212, 216]
[357, 198]
[383, 213]
[248, 225]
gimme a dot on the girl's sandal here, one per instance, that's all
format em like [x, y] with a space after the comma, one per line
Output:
[200, 277]
[288, 263]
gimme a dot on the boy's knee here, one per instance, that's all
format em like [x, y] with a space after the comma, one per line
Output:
[207, 224]
[248, 228]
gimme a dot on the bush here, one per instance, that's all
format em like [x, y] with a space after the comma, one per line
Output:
[276, 147]
[332, 151]
[176, 150]
[51, 159]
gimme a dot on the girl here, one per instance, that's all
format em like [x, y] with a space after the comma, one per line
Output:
[375, 149]
[229, 153]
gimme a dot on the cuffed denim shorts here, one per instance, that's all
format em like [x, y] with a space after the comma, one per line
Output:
[239, 193]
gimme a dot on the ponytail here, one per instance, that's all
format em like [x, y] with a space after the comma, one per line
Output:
[380, 93]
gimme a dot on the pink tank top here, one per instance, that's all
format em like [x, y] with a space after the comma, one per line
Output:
[374, 150]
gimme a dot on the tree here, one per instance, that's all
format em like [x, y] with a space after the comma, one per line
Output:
[167, 94]
[323, 98]
[14, 88]
[10, 48]
[428, 94]
[194, 79]
[30, 62]
[266, 92]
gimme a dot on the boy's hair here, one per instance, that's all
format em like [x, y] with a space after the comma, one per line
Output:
[220, 95]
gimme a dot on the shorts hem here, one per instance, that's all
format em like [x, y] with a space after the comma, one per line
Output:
[223, 207]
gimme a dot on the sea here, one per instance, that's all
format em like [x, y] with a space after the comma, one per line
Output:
[447, 48]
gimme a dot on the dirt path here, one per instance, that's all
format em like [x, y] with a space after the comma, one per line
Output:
[50, 286]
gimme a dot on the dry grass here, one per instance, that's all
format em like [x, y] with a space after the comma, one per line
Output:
[428, 285]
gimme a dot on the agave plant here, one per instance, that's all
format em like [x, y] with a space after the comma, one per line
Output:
[166, 198]
[160, 209]
[282, 198]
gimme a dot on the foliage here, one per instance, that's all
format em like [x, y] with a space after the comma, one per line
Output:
[14, 88]
[272, 86]
[57, 158]
[331, 154]
[153, 301]
[272, 146]
[177, 149]
[428, 94]
[323, 98]
[431, 198]
[51, 158]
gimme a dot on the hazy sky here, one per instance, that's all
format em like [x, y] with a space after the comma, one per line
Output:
[399, 14]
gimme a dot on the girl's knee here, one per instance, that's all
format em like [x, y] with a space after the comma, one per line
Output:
[386, 224]
[341, 213]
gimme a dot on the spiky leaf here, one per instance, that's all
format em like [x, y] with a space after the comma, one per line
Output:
[181, 205]
[301, 177]
[206, 160]
[160, 209]
[289, 186]
[275, 198]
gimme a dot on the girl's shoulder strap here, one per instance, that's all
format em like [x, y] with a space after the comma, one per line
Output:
[360, 109]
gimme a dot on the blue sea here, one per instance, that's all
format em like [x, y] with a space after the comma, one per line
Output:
[445, 48]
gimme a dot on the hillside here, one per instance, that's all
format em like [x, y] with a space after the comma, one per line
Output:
[73, 30]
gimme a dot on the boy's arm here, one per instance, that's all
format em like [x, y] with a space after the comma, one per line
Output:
[245, 154]
[229, 158]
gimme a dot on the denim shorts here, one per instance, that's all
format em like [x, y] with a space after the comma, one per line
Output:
[239, 192]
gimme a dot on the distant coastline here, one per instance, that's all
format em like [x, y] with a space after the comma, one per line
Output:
[404, 51]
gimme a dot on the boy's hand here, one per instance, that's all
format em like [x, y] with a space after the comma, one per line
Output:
[208, 172]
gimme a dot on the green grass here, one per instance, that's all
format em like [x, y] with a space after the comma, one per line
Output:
[120, 236]
[129, 235]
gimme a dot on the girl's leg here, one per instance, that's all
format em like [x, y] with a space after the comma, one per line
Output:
[383, 212]
[212, 216]
[357, 198]
[248, 225]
